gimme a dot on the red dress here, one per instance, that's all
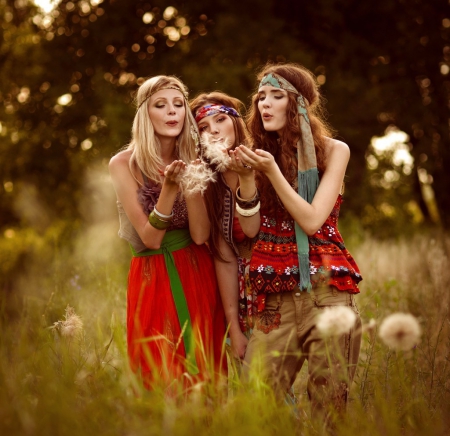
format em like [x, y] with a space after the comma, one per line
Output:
[154, 336]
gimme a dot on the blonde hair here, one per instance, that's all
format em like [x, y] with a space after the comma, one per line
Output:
[144, 145]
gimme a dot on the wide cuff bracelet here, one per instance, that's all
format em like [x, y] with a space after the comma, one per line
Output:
[248, 212]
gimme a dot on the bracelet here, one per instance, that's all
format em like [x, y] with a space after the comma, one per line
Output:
[248, 212]
[249, 203]
[161, 215]
[157, 222]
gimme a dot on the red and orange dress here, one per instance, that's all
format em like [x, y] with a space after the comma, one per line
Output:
[155, 337]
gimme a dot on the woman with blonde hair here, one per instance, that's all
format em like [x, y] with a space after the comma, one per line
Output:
[175, 318]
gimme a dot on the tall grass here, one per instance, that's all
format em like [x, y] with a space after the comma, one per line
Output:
[54, 384]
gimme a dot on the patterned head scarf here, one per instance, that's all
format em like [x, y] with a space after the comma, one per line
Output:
[213, 109]
[308, 174]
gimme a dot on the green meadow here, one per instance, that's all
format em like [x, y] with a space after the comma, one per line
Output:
[61, 385]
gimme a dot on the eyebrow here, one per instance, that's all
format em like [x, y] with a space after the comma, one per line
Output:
[271, 91]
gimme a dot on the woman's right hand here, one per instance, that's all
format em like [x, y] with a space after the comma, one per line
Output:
[239, 344]
[172, 172]
[259, 160]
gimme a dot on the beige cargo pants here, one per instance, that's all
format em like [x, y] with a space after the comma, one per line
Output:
[285, 335]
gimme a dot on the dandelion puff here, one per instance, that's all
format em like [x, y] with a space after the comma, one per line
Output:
[195, 179]
[216, 152]
[335, 321]
[72, 326]
[400, 331]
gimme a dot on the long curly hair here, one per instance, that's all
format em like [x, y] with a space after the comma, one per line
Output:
[284, 147]
[144, 144]
[216, 191]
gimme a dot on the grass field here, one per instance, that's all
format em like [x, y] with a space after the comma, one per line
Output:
[54, 384]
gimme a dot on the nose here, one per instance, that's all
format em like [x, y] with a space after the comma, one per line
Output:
[214, 130]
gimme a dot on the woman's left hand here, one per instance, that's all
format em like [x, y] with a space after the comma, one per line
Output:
[259, 160]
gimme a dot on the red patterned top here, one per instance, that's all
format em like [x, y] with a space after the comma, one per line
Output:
[274, 262]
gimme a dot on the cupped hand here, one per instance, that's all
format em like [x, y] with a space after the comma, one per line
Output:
[173, 172]
[259, 160]
[237, 164]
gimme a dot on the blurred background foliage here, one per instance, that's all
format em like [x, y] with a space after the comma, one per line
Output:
[68, 76]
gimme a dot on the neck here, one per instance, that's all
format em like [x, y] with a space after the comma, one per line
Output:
[168, 149]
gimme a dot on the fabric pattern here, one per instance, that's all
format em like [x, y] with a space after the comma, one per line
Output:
[274, 262]
[213, 109]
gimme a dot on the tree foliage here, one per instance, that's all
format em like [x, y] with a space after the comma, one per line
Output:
[67, 82]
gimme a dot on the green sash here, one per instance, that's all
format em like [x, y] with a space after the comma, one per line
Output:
[172, 241]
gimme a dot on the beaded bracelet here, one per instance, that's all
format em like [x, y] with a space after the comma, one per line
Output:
[249, 203]
[157, 222]
[248, 212]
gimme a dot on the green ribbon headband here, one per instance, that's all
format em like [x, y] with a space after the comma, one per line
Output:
[308, 174]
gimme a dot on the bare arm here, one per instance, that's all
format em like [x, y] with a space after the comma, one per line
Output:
[247, 189]
[310, 217]
[227, 277]
[126, 186]
[199, 225]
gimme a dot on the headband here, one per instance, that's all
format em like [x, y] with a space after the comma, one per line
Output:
[213, 109]
[185, 94]
[308, 174]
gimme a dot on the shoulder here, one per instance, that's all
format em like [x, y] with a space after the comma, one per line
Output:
[120, 163]
[120, 159]
[336, 149]
[336, 146]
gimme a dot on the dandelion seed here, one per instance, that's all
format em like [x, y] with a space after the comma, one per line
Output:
[72, 326]
[195, 179]
[216, 152]
[336, 321]
[400, 331]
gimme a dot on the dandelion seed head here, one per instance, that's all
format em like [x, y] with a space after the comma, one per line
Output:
[335, 321]
[195, 179]
[216, 152]
[400, 331]
[72, 326]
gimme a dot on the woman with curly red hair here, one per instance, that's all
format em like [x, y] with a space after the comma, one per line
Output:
[299, 263]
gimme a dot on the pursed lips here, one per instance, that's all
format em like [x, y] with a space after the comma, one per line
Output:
[172, 123]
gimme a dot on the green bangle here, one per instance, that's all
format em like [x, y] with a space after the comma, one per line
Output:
[157, 222]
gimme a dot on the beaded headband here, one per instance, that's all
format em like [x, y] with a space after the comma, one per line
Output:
[308, 174]
[185, 94]
[213, 109]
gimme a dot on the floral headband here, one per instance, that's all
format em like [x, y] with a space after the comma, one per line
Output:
[213, 109]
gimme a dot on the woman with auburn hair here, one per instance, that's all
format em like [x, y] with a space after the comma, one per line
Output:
[175, 320]
[299, 263]
[218, 119]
